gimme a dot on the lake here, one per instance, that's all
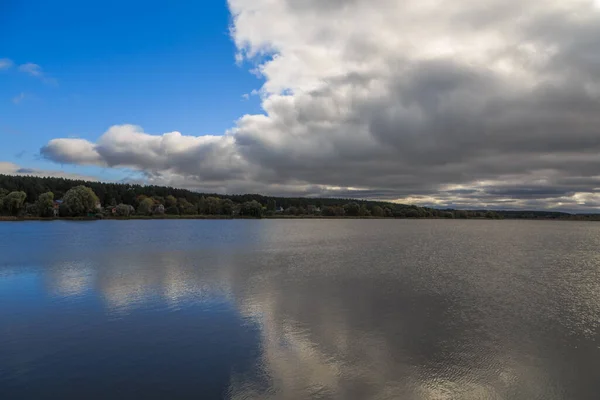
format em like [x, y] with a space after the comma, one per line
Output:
[299, 309]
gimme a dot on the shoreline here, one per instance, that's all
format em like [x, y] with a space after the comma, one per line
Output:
[186, 217]
[292, 217]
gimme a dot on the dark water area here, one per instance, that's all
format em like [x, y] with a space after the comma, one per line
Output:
[330, 309]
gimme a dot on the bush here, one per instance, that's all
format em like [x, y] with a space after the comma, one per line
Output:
[173, 210]
[123, 210]
[64, 210]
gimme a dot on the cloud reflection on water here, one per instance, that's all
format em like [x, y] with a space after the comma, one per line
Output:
[435, 312]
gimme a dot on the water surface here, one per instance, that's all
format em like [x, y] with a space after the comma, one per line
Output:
[295, 309]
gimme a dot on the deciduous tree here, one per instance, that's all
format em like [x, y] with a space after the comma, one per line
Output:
[251, 209]
[122, 210]
[80, 200]
[45, 204]
[14, 202]
[146, 206]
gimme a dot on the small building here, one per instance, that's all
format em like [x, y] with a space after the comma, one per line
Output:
[56, 208]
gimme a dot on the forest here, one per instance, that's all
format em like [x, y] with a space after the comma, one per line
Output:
[50, 197]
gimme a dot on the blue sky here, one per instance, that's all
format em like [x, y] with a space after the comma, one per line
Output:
[166, 66]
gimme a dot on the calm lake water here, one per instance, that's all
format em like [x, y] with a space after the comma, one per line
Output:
[279, 309]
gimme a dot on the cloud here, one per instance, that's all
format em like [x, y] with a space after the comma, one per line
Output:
[8, 168]
[474, 104]
[36, 71]
[5, 63]
[31, 69]
[72, 151]
[18, 98]
[209, 157]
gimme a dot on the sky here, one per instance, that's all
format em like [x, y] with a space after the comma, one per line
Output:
[470, 104]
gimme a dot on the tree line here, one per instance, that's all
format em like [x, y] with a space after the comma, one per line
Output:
[38, 196]
[51, 197]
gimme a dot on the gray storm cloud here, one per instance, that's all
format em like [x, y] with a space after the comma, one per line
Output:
[472, 103]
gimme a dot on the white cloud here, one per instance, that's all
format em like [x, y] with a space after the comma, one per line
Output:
[37, 71]
[18, 98]
[74, 151]
[399, 99]
[8, 168]
[5, 63]
[31, 69]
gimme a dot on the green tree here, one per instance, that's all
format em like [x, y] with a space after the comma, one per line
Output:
[461, 214]
[251, 209]
[3, 193]
[14, 202]
[170, 201]
[492, 215]
[213, 206]
[146, 206]
[45, 204]
[185, 207]
[332, 211]
[80, 200]
[202, 206]
[31, 209]
[328, 211]
[352, 209]
[292, 210]
[377, 211]
[227, 207]
[64, 210]
[123, 210]
[446, 214]
[411, 213]
[364, 211]
[139, 199]
[172, 210]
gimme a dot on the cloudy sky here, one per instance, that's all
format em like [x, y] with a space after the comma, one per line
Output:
[487, 103]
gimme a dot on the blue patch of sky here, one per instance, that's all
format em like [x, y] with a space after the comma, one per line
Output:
[166, 66]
